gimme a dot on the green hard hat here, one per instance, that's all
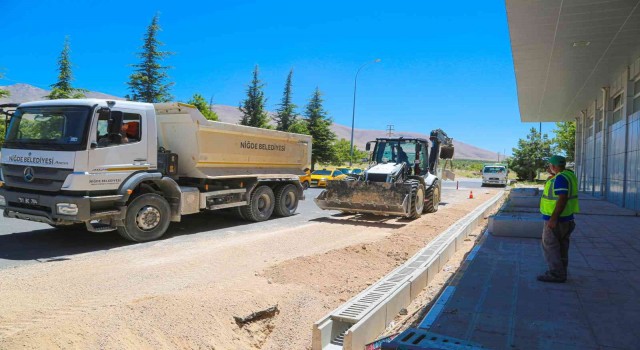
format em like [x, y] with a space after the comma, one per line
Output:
[558, 160]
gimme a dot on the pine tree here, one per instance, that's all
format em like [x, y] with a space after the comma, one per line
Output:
[148, 82]
[286, 114]
[528, 156]
[62, 88]
[319, 126]
[253, 113]
[299, 127]
[204, 108]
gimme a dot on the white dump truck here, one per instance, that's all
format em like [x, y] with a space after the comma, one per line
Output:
[135, 167]
[495, 174]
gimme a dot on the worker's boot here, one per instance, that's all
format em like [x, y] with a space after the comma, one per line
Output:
[551, 277]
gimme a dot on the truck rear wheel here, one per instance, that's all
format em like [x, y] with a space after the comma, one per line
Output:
[147, 218]
[261, 205]
[433, 198]
[286, 200]
[417, 200]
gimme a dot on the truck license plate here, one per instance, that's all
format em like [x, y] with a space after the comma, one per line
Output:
[25, 200]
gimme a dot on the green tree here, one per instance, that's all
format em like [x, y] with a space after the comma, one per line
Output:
[286, 113]
[528, 157]
[565, 139]
[342, 149]
[252, 108]
[204, 108]
[299, 127]
[3, 92]
[148, 81]
[319, 126]
[62, 88]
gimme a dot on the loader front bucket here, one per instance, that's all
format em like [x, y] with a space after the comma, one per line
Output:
[378, 198]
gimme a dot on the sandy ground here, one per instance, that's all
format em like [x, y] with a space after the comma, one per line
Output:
[185, 295]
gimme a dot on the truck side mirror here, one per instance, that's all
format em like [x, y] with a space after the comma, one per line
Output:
[368, 146]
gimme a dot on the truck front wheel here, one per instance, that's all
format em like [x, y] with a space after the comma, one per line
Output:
[286, 200]
[147, 218]
[260, 206]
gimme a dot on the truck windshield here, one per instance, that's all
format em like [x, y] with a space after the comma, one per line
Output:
[493, 169]
[52, 128]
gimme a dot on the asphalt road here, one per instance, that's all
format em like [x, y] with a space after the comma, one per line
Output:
[23, 242]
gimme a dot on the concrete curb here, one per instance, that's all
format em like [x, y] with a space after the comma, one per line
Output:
[403, 284]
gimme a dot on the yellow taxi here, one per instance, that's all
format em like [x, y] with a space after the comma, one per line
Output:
[319, 178]
[305, 180]
[350, 171]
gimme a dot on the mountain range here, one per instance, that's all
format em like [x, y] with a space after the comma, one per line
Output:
[229, 114]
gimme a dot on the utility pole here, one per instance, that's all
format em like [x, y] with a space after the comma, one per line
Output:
[390, 130]
[211, 103]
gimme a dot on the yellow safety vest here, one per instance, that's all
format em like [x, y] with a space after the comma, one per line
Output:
[549, 198]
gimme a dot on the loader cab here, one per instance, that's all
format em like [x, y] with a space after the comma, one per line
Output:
[413, 152]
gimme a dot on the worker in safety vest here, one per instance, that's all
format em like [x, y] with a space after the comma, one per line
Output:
[558, 204]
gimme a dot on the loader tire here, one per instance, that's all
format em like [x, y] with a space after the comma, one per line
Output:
[416, 206]
[286, 200]
[147, 218]
[432, 197]
[261, 205]
[446, 152]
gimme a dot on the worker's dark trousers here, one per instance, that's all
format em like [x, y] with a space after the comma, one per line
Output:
[555, 246]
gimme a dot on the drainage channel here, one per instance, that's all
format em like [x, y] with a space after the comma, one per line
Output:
[364, 317]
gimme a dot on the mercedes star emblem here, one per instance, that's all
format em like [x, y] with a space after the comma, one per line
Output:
[28, 174]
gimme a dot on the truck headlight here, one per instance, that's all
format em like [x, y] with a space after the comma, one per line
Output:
[67, 208]
[3, 202]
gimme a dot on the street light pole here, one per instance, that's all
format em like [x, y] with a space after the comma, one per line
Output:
[353, 114]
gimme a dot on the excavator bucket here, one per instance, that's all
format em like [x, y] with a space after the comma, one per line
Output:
[446, 152]
[378, 198]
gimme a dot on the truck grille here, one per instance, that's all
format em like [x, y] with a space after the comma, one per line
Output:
[377, 177]
[45, 179]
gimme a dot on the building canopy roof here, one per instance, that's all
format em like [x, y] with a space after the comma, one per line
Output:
[565, 51]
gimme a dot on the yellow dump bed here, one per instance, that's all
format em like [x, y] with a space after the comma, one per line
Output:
[215, 149]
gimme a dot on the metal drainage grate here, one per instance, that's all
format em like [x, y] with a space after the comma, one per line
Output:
[414, 338]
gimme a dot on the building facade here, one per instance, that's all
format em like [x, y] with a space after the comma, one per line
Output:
[579, 60]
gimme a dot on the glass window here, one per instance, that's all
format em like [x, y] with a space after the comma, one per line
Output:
[337, 173]
[636, 96]
[57, 128]
[321, 172]
[617, 109]
[130, 132]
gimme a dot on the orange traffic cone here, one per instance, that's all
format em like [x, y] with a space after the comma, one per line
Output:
[470, 194]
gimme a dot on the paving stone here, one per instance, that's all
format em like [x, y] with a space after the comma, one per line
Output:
[500, 304]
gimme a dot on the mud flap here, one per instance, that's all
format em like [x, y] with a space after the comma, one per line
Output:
[360, 197]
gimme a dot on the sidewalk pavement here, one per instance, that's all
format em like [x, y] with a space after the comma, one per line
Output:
[498, 303]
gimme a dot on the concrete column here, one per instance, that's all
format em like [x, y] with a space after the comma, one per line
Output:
[579, 151]
[584, 149]
[593, 127]
[606, 115]
[627, 110]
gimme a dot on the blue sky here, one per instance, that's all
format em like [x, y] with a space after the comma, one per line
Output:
[444, 65]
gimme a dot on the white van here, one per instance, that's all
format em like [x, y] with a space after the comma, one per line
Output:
[495, 174]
